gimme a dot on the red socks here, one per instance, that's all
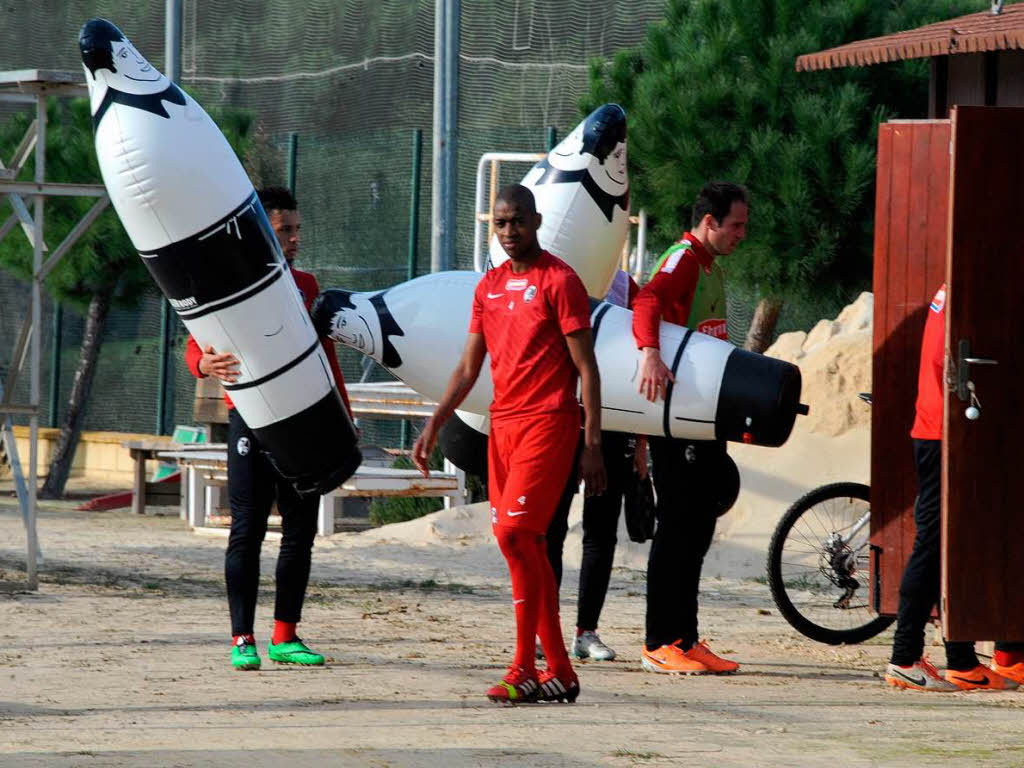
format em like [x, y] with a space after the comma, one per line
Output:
[284, 632]
[535, 597]
[1008, 658]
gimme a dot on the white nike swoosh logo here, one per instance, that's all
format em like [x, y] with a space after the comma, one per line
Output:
[510, 513]
[520, 600]
[495, 295]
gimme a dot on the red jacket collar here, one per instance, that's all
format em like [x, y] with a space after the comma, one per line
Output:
[703, 257]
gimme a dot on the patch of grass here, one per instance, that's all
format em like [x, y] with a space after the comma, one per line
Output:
[637, 755]
[430, 585]
[399, 509]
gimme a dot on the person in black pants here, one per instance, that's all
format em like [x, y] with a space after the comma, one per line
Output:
[686, 517]
[254, 485]
[921, 584]
[600, 526]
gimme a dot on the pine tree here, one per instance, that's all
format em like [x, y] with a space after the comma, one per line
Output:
[712, 93]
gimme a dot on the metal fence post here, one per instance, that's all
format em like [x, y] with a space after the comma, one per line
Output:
[414, 229]
[446, 101]
[293, 157]
[58, 332]
[172, 63]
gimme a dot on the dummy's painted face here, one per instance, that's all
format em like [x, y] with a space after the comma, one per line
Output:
[350, 328]
[613, 179]
[133, 65]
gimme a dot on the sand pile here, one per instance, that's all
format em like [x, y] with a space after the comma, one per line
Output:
[835, 360]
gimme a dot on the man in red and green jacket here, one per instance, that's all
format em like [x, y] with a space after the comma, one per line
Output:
[687, 289]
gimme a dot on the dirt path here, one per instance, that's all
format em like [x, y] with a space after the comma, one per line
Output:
[121, 660]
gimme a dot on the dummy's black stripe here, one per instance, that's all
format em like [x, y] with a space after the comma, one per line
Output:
[241, 208]
[286, 367]
[666, 423]
[600, 316]
[213, 268]
[695, 421]
[217, 306]
[620, 410]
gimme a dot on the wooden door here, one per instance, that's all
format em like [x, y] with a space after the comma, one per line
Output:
[911, 227]
[982, 459]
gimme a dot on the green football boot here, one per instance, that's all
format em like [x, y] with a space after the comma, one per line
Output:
[294, 652]
[244, 655]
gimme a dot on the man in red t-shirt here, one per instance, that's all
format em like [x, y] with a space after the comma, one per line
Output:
[920, 587]
[254, 485]
[533, 317]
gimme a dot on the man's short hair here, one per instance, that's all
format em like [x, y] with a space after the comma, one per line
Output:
[717, 198]
[277, 199]
[517, 194]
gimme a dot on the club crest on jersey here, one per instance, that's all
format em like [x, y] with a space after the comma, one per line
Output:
[243, 446]
[516, 283]
[529, 294]
[939, 300]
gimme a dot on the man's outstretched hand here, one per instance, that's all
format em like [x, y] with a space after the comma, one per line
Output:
[423, 447]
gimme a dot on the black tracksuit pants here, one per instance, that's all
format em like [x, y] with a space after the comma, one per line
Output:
[600, 526]
[686, 524]
[921, 585]
[253, 486]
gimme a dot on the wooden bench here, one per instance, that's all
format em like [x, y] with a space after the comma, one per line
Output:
[204, 476]
[142, 451]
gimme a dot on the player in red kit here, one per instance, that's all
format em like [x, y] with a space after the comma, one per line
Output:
[532, 315]
[920, 587]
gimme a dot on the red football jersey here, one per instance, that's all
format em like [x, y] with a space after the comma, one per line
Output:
[930, 394]
[524, 319]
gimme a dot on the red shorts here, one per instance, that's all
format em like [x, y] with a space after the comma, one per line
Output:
[528, 463]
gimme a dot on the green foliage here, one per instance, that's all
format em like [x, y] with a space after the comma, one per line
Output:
[398, 509]
[103, 259]
[712, 93]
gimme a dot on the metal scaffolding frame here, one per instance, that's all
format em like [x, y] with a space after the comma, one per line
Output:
[32, 87]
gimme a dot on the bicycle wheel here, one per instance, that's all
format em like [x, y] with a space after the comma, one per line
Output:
[819, 565]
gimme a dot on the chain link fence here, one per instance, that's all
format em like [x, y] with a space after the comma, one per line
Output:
[353, 80]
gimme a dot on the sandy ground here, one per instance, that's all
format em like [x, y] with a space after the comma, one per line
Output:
[120, 659]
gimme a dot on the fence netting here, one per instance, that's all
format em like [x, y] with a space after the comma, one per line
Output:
[353, 80]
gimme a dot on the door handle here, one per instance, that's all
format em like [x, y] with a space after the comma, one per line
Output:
[965, 388]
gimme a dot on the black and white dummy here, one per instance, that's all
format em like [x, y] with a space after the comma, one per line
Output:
[193, 215]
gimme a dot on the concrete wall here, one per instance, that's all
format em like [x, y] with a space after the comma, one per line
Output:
[99, 456]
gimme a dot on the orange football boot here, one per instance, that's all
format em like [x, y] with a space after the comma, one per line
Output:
[979, 679]
[716, 664]
[1013, 672]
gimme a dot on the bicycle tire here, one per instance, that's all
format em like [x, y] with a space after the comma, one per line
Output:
[784, 595]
